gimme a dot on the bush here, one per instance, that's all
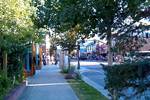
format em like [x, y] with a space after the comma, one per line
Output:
[15, 69]
[65, 71]
[128, 75]
[71, 74]
[5, 84]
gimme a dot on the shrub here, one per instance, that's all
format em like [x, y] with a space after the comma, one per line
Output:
[5, 84]
[128, 75]
[15, 69]
[64, 71]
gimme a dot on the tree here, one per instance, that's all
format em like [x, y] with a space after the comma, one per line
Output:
[105, 17]
[134, 43]
[16, 29]
[68, 42]
[116, 17]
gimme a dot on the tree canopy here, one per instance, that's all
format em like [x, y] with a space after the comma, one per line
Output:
[17, 31]
[16, 25]
[108, 18]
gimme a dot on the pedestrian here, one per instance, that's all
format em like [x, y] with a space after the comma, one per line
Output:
[44, 60]
[52, 59]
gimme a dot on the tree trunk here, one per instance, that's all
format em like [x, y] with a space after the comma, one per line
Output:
[1, 63]
[110, 54]
[115, 95]
[78, 54]
[5, 63]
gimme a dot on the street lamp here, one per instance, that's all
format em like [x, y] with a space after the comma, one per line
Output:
[78, 52]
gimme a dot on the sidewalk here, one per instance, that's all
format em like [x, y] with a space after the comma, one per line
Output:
[48, 84]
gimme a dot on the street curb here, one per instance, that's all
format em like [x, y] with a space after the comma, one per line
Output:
[96, 86]
[16, 92]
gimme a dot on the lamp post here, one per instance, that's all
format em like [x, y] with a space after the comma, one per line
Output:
[78, 52]
[55, 54]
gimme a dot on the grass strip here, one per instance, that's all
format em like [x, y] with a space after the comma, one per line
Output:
[84, 91]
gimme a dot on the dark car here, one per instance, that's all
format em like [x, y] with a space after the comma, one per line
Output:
[83, 56]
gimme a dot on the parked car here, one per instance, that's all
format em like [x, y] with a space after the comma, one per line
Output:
[143, 54]
[138, 55]
[83, 56]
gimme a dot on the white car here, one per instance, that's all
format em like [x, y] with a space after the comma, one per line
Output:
[137, 56]
[143, 54]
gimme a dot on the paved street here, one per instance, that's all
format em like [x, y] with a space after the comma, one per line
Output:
[93, 74]
[48, 84]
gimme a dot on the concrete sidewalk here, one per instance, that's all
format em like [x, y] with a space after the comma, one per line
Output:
[48, 84]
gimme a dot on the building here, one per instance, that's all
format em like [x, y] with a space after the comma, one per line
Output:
[93, 48]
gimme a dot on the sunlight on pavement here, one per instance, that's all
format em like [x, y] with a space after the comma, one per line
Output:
[82, 71]
[83, 63]
[48, 84]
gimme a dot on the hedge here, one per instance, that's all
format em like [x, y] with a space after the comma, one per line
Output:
[134, 75]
